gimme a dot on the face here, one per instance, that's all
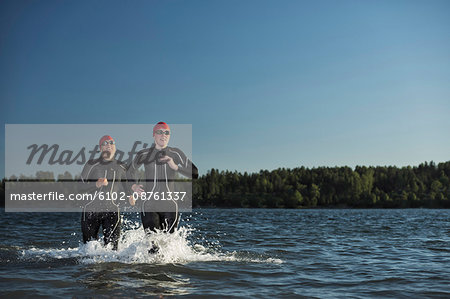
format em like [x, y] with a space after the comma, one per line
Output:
[108, 150]
[161, 137]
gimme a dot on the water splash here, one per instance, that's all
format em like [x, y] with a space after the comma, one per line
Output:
[134, 245]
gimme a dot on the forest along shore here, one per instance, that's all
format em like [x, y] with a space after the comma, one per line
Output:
[423, 186]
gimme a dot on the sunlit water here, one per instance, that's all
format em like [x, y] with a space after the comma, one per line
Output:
[234, 253]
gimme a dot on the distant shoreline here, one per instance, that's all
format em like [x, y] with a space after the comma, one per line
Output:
[424, 186]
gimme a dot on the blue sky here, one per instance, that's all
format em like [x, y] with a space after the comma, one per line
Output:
[265, 84]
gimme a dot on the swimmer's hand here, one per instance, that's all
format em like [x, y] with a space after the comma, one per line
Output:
[132, 200]
[101, 182]
[137, 188]
[169, 161]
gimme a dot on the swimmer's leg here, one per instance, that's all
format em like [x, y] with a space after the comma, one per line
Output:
[151, 222]
[169, 221]
[111, 228]
[90, 225]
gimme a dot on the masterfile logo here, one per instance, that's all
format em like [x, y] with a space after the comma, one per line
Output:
[44, 165]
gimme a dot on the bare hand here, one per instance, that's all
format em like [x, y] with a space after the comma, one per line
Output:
[101, 182]
[169, 161]
[137, 188]
[132, 200]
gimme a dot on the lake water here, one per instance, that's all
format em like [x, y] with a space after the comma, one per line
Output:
[241, 253]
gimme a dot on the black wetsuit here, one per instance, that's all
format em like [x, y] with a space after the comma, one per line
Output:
[104, 212]
[159, 177]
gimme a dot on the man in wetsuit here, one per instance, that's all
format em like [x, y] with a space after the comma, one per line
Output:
[161, 164]
[105, 178]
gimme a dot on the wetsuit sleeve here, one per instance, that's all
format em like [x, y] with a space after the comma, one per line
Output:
[132, 170]
[89, 184]
[124, 180]
[194, 171]
[185, 165]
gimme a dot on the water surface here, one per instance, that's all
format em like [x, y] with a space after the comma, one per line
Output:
[234, 253]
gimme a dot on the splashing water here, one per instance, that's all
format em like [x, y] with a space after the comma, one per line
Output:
[134, 245]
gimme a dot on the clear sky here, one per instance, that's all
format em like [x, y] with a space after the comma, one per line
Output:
[265, 84]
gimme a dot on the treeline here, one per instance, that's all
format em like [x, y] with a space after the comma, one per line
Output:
[426, 185]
